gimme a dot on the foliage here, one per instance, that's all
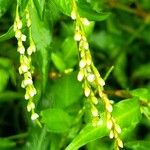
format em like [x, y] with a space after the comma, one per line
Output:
[117, 34]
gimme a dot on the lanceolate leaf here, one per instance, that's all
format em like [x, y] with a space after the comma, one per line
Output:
[126, 112]
[42, 37]
[56, 120]
[8, 35]
[86, 11]
[39, 4]
[65, 91]
[138, 145]
[4, 5]
[64, 6]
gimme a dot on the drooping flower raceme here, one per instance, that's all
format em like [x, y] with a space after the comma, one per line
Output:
[26, 68]
[92, 82]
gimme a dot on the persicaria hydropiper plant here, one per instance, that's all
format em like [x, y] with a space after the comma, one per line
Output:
[92, 81]
[53, 59]
[26, 68]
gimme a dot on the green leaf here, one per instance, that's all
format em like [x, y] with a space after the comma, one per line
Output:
[40, 5]
[8, 35]
[138, 145]
[4, 5]
[141, 93]
[120, 70]
[56, 120]
[58, 61]
[42, 37]
[87, 134]
[10, 95]
[86, 11]
[142, 71]
[4, 76]
[127, 113]
[65, 6]
[65, 91]
[5, 143]
[70, 52]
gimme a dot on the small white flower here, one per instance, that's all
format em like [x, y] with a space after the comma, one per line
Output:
[109, 107]
[26, 96]
[77, 36]
[85, 21]
[86, 45]
[118, 129]
[28, 23]
[73, 15]
[87, 91]
[94, 112]
[82, 63]
[18, 34]
[80, 75]
[120, 143]
[30, 106]
[101, 82]
[91, 77]
[94, 100]
[34, 116]
[23, 37]
[27, 82]
[19, 24]
[23, 68]
[21, 49]
[109, 124]
[111, 134]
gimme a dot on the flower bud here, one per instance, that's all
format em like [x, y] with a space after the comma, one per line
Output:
[91, 77]
[111, 134]
[94, 111]
[87, 91]
[30, 106]
[80, 75]
[21, 49]
[34, 116]
[82, 63]
[18, 34]
[23, 37]
[77, 36]
[120, 143]
[109, 124]
[73, 15]
[85, 21]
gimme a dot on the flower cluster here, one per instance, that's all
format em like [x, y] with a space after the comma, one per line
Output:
[25, 68]
[93, 83]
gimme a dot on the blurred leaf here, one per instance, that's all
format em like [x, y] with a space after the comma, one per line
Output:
[39, 4]
[5, 144]
[138, 145]
[56, 120]
[4, 5]
[86, 11]
[10, 95]
[123, 117]
[141, 93]
[65, 91]
[120, 70]
[8, 35]
[6, 64]
[142, 71]
[42, 36]
[127, 118]
[58, 61]
[70, 52]
[65, 6]
[4, 76]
